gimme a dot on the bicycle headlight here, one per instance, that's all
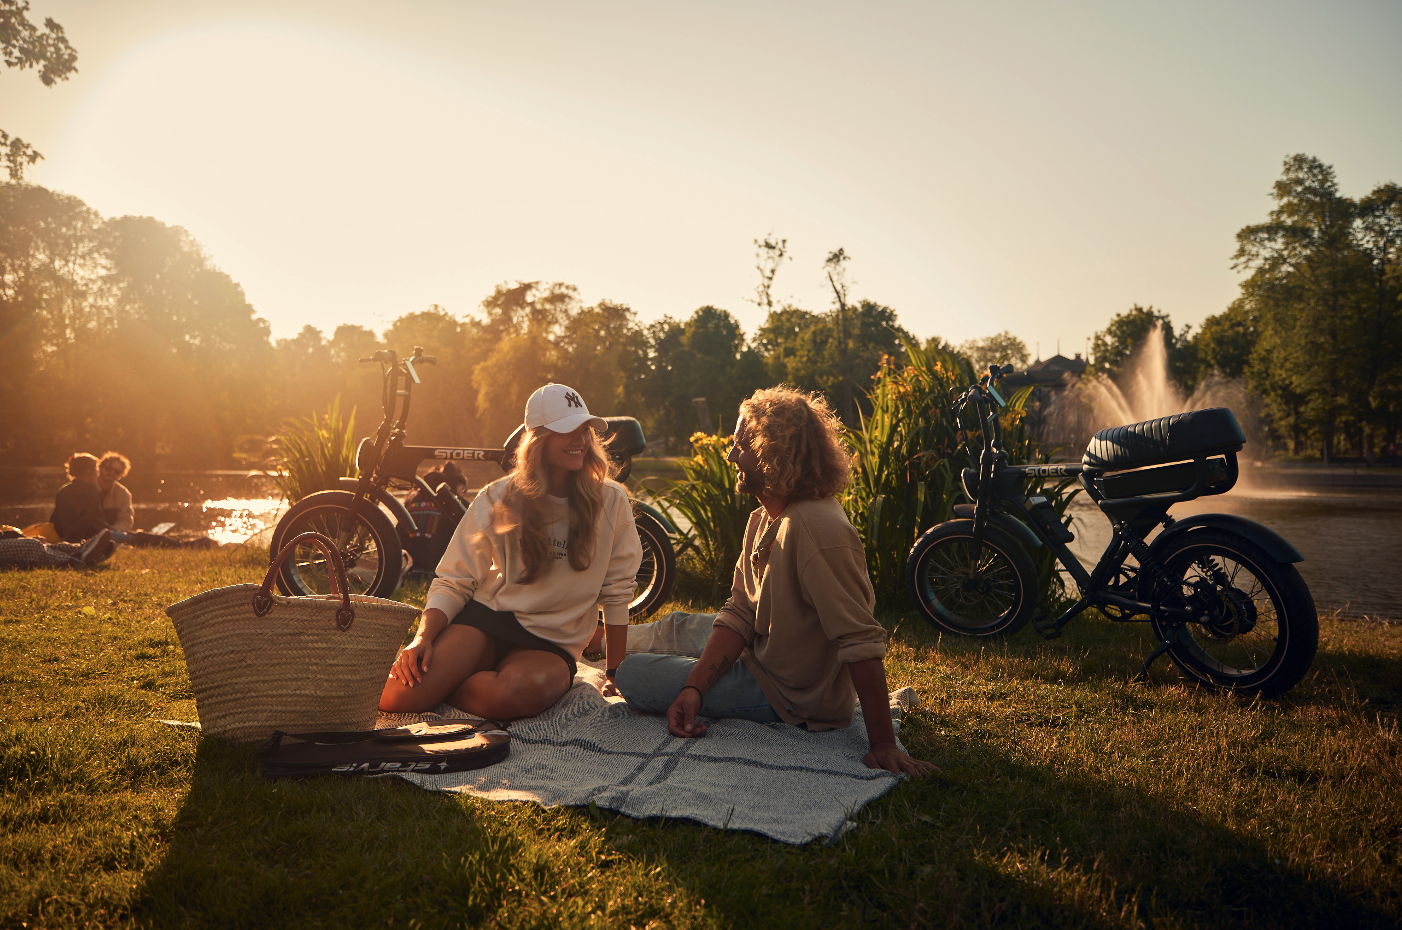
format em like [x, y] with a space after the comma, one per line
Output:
[969, 479]
[365, 455]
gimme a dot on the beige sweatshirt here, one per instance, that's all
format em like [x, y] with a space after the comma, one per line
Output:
[803, 600]
[561, 605]
[117, 509]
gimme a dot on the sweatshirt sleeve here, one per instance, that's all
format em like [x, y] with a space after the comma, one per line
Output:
[836, 583]
[621, 576]
[466, 561]
[126, 516]
[738, 614]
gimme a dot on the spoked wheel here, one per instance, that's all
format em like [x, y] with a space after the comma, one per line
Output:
[1259, 630]
[968, 588]
[369, 545]
[658, 571]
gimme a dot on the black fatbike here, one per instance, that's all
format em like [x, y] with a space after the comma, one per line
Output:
[1221, 592]
[379, 538]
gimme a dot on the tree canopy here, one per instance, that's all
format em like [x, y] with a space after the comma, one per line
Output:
[23, 45]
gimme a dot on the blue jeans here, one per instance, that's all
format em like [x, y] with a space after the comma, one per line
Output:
[651, 682]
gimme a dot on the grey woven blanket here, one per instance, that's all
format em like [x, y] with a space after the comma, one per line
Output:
[778, 780]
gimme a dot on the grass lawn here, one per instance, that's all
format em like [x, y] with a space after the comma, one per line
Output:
[1067, 796]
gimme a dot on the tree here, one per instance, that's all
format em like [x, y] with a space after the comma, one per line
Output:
[50, 274]
[769, 255]
[24, 46]
[1224, 343]
[706, 356]
[1319, 286]
[1115, 345]
[1003, 349]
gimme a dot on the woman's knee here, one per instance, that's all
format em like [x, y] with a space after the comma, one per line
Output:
[525, 692]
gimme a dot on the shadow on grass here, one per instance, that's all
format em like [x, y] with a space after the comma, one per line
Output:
[247, 851]
[997, 842]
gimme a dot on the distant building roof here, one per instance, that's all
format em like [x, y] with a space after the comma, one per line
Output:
[1054, 372]
[1060, 363]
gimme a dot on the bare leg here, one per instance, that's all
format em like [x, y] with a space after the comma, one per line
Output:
[459, 652]
[525, 683]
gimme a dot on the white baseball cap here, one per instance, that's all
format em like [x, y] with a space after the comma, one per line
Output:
[561, 409]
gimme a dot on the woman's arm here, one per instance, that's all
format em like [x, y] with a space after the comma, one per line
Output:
[466, 561]
[412, 664]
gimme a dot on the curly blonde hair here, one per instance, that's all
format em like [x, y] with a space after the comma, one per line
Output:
[798, 440]
[525, 493]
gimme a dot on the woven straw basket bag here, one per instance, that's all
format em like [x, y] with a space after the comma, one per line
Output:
[261, 662]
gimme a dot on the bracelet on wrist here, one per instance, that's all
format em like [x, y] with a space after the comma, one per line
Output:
[693, 688]
[610, 672]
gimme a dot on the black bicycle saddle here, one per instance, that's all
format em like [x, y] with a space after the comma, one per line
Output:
[1167, 439]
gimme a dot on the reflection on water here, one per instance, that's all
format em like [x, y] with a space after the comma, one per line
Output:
[233, 520]
[1349, 539]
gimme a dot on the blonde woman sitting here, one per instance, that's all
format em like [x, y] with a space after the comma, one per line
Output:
[519, 589]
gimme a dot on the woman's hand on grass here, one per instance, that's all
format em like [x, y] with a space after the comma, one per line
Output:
[412, 664]
[887, 756]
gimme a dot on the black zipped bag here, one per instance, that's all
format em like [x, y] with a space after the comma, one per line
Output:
[421, 748]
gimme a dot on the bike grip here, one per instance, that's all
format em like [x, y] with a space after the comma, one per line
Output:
[427, 360]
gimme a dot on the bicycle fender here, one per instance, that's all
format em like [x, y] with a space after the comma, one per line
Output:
[657, 515]
[403, 522]
[1017, 528]
[1276, 546]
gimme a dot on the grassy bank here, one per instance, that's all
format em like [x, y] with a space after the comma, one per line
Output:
[1067, 797]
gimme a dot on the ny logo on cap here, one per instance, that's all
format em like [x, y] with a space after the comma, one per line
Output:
[572, 400]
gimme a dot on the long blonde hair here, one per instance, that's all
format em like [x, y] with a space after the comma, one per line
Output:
[522, 504]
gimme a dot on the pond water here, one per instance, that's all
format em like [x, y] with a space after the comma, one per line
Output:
[1351, 538]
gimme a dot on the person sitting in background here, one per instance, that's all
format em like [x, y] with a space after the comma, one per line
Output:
[116, 499]
[120, 516]
[77, 512]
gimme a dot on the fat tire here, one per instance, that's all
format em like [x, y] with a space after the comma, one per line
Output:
[658, 572]
[325, 511]
[940, 547]
[1296, 639]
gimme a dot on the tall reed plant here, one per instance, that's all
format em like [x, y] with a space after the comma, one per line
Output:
[713, 514]
[312, 454]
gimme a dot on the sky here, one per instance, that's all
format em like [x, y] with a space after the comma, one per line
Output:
[1032, 167]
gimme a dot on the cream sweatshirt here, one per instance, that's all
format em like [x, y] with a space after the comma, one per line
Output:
[561, 605]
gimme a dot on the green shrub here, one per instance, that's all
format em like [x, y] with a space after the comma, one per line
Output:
[712, 513]
[312, 454]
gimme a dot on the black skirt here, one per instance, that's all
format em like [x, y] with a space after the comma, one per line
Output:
[507, 632]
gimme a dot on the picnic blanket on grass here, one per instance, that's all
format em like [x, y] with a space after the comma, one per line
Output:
[784, 782]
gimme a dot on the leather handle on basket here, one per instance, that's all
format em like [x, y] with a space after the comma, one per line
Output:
[263, 598]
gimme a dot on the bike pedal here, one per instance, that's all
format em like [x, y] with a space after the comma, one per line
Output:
[1046, 627]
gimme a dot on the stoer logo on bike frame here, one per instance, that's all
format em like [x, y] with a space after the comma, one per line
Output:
[476, 455]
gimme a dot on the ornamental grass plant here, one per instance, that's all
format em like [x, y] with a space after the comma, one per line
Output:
[313, 453]
[712, 513]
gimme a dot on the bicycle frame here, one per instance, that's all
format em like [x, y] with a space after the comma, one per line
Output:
[1109, 586]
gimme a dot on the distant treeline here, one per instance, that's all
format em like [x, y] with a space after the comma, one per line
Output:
[121, 333]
